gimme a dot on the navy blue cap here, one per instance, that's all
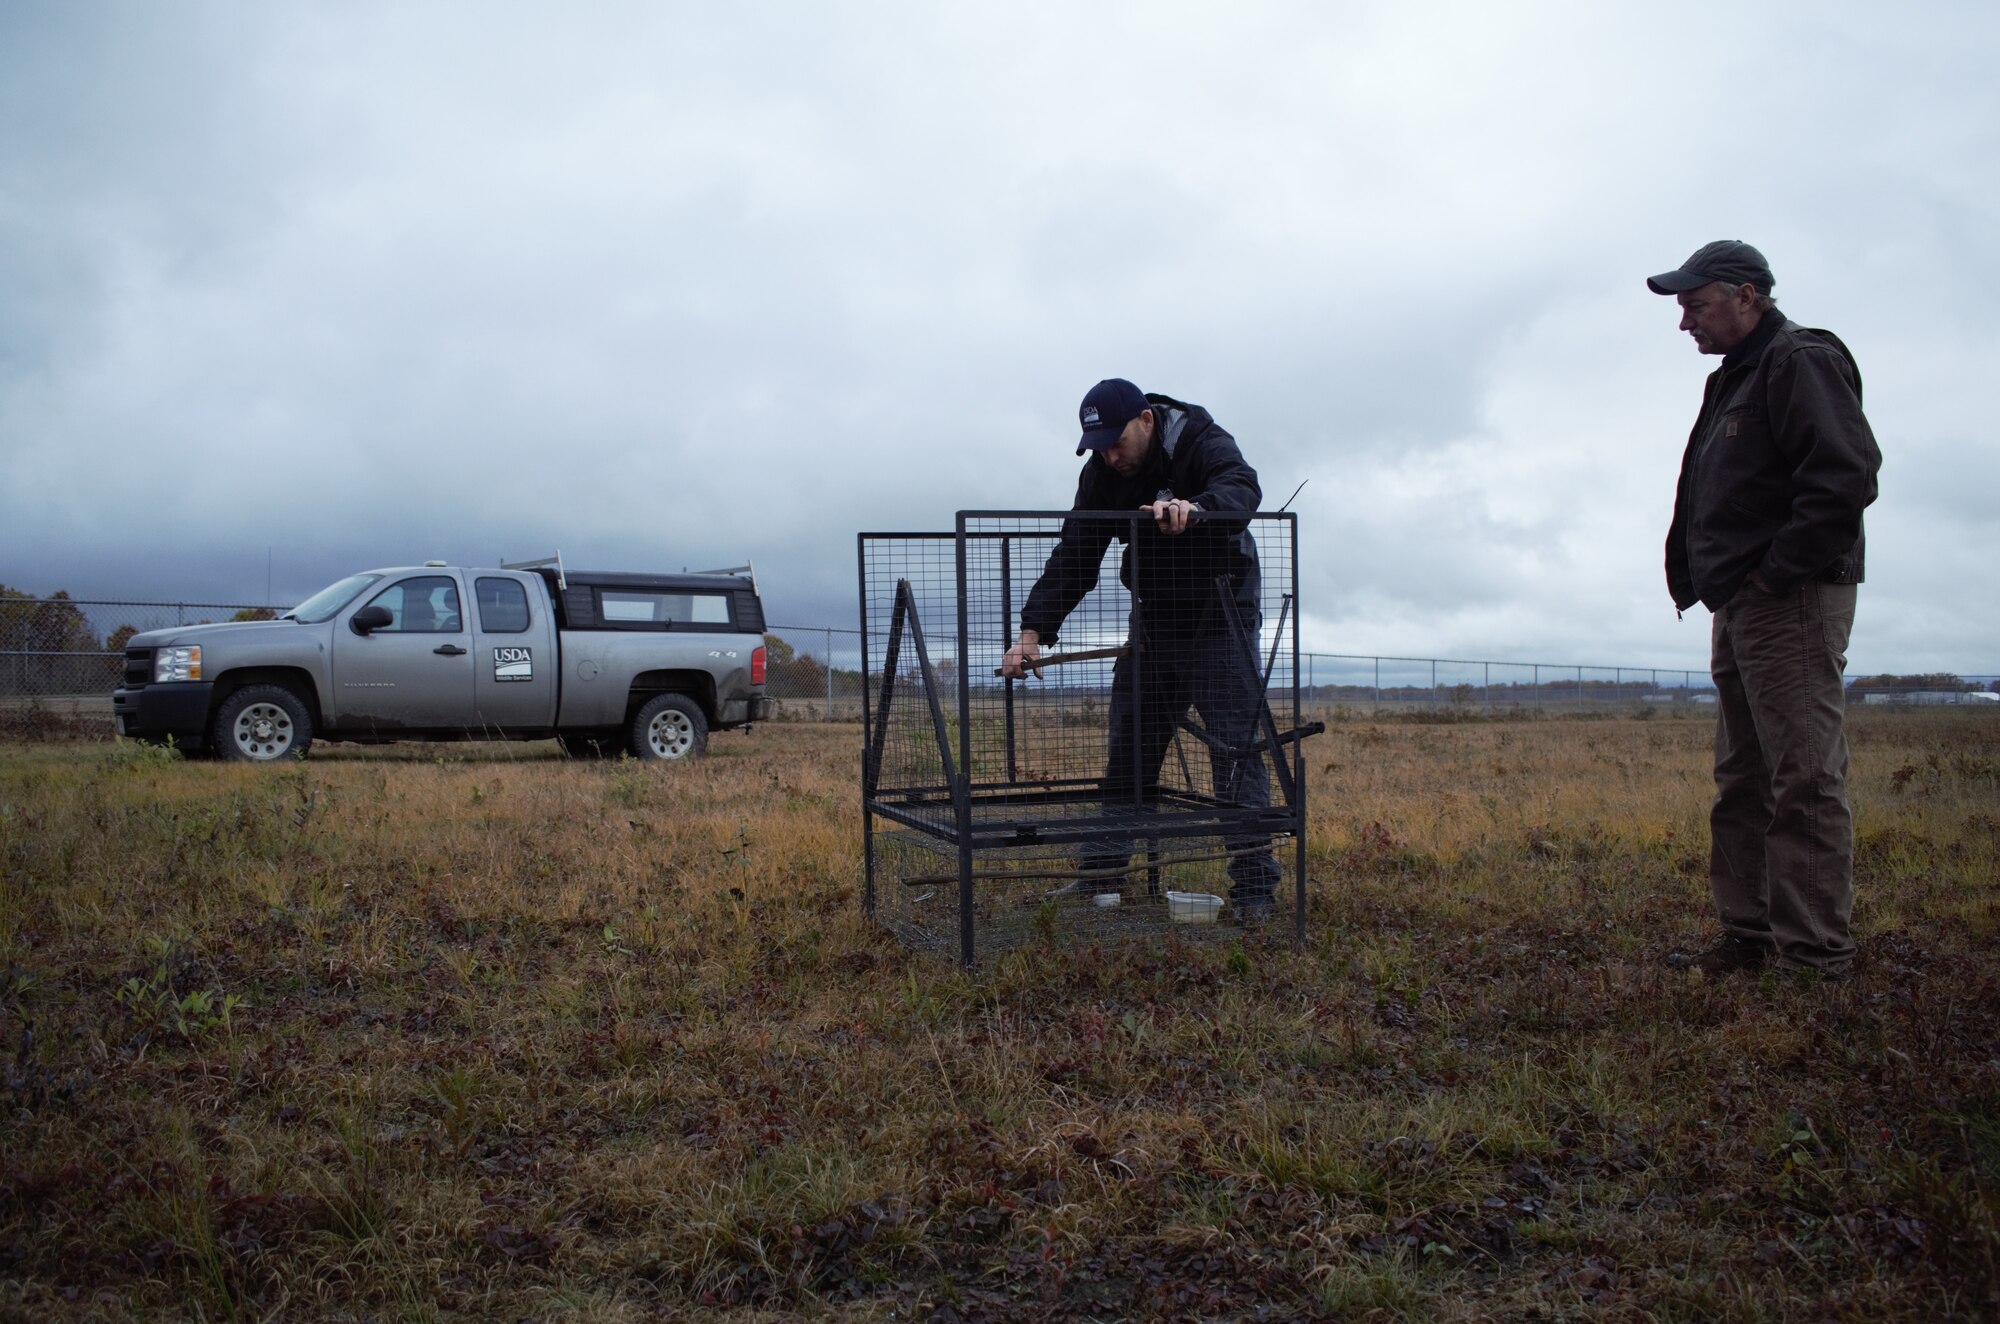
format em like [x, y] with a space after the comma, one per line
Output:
[1105, 411]
[1730, 261]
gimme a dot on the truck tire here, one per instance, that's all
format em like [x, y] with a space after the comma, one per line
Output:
[261, 724]
[670, 726]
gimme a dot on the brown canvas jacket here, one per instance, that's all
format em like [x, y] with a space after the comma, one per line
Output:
[1778, 468]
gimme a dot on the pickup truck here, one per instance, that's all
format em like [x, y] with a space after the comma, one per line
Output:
[528, 651]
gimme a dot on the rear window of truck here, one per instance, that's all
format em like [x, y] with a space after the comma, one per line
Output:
[649, 609]
[503, 606]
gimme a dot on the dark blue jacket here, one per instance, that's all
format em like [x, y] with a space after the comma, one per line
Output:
[1195, 460]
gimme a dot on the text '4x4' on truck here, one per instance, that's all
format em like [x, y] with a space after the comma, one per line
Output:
[437, 652]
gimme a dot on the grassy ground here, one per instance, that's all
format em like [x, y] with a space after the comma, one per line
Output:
[481, 1033]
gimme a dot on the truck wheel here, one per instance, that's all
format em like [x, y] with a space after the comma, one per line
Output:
[261, 724]
[670, 726]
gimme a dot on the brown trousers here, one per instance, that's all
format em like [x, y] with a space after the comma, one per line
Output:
[1781, 859]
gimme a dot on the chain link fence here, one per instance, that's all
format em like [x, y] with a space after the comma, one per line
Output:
[66, 648]
[67, 653]
[62, 652]
[814, 672]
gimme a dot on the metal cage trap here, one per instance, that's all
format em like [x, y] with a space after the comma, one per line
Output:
[1150, 780]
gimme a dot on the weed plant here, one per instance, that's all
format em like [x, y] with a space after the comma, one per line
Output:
[496, 1034]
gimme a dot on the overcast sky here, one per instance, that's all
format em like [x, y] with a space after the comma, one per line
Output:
[316, 287]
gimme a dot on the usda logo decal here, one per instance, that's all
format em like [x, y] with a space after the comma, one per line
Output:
[513, 664]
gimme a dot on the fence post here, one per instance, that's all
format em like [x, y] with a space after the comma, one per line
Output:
[829, 674]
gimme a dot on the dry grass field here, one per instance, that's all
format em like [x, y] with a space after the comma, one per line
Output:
[478, 1032]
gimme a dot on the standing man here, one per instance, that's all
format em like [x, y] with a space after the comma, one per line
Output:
[1767, 534]
[1171, 460]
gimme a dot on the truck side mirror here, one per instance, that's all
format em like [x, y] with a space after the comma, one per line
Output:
[371, 618]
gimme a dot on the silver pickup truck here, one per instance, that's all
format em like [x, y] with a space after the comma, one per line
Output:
[651, 663]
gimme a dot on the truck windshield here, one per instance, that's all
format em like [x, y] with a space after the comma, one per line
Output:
[330, 599]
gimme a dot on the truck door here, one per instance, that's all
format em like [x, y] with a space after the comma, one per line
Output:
[514, 667]
[414, 673]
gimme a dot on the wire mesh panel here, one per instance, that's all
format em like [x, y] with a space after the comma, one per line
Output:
[909, 596]
[1156, 746]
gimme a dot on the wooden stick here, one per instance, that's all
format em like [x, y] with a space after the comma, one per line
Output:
[1087, 655]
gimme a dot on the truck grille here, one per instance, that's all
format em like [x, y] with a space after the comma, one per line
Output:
[138, 667]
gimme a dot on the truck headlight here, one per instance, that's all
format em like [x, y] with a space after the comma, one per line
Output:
[183, 663]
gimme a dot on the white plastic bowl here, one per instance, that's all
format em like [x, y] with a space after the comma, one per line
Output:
[1193, 907]
[1106, 899]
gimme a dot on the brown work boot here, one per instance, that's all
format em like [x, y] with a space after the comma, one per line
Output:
[1730, 955]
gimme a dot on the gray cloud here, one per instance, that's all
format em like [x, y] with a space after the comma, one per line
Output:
[361, 284]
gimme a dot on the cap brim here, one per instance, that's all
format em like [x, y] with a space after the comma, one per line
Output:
[1098, 439]
[1677, 282]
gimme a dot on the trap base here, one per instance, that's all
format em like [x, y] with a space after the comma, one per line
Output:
[1175, 888]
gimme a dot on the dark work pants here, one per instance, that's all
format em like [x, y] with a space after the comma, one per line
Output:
[1213, 673]
[1781, 860]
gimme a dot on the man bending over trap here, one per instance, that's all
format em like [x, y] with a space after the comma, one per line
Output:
[1171, 460]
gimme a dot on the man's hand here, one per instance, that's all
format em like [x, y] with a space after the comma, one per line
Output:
[1022, 656]
[1171, 514]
